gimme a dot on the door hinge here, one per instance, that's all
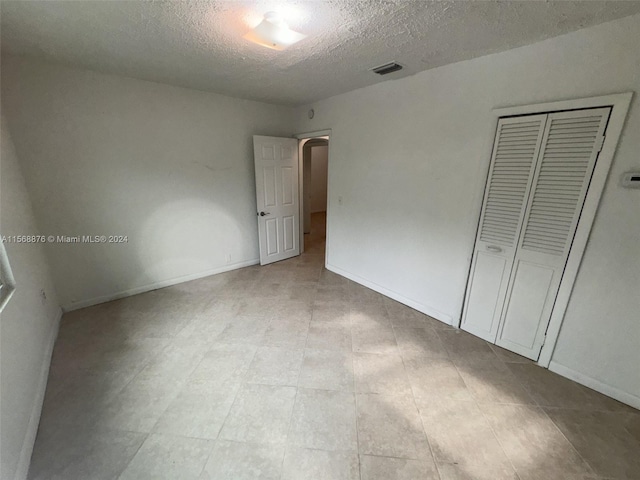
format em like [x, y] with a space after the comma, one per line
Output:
[599, 143]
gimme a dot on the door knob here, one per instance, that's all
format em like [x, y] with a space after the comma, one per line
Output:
[262, 214]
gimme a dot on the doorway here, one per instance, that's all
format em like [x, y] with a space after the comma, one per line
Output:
[314, 163]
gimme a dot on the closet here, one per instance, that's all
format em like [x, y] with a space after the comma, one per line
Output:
[538, 179]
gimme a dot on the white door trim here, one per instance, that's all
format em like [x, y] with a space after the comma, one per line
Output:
[620, 106]
[306, 136]
[317, 133]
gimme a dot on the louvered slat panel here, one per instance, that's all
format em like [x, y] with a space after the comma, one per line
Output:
[563, 172]
[514, 154]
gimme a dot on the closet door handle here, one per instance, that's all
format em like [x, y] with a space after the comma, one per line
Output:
[493, 248]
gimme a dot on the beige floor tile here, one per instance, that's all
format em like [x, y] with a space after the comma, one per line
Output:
[158, 326]
[177, 360]
[389, 425]
[241, 329]
[306, 464]
[260, 414]
[420, 341]
[374, 339]
[331, 314]
[140, 404]
[225, 363]
[435, 377]
[632, 424]
[477, 472]
[380, 374]
[199, 410]
[83, 349]
[290, 334]
[205, 329]
[324, 420]
[327, 370]
[509, 357]
[491, 381]
[406, 317]
[306, 275]
[368, 315]
[602, 440]
[332, 279]
[361, 294]
[124, 354]
[244, 461]
[388, 468]
[459, 434]
[549, 389]
[331, 294]
[83, 398]
[250, 306]
[81, 453]
[302, 292]
[272, 286]
[275, 366]
[236, 289]
[463, 345]
[59, 381]
[293, 311]
[168, 457]
[534, 445]
[419, 320]
[329, 336]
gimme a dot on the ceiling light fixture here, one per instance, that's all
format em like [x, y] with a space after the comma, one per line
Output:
[274, 33]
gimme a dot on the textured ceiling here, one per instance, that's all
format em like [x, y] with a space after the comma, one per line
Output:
[199, 44]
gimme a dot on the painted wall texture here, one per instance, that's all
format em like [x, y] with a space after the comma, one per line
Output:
[319, 164]
[167, 167]
[28, 323]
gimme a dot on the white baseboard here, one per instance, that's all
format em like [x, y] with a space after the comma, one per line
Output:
[154, 286]
[596, 385]
[432, 312]
[24, 461]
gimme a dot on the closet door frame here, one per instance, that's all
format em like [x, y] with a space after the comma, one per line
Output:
[619, 104]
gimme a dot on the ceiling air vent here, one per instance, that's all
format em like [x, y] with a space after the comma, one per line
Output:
[387, 68]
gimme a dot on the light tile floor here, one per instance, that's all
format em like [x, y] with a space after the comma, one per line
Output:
[292, 372]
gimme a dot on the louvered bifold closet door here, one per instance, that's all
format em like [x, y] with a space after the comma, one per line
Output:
[515, 151]
[571, 143]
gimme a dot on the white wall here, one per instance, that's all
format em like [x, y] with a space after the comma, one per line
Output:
[306, 189]
[416, 151]
[28, 323]
[319, 159]
[170, 168]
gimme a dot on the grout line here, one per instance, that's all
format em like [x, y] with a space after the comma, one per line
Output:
[235, 398]
[413, 397]
[588, 464]
[295, 400]
[355, 393]
[133, 456]
[478, 406]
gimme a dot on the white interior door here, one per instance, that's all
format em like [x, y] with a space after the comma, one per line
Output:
[571, 143]
[276, 165]
[515, 151]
